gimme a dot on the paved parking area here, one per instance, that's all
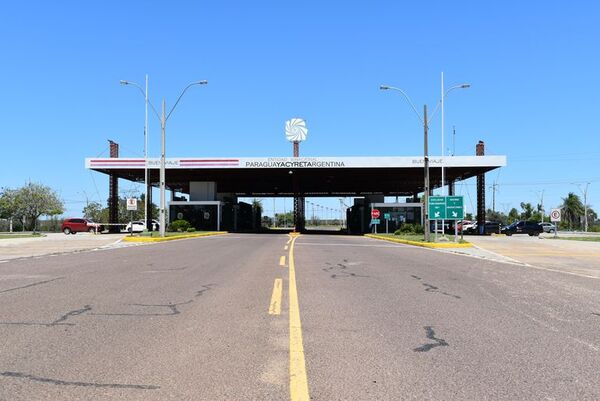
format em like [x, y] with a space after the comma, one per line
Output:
[54, 243]
[576, 257]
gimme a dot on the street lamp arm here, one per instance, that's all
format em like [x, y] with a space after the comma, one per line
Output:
[386, 87]
[143, 94]
[183, 93]
[462, 86]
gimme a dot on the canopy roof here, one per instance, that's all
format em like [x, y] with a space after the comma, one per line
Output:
[310, 176]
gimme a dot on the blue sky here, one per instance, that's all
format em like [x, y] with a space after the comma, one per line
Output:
[533, 68]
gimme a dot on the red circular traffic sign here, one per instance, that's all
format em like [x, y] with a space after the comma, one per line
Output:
[375, 213]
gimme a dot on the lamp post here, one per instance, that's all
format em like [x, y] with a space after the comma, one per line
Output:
[163, 118]
[424, 121]
[444, 94]
[147, 219]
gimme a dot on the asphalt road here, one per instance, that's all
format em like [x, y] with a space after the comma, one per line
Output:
[207, 319]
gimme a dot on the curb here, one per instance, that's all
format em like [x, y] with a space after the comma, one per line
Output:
[421, 244]
[174, 237]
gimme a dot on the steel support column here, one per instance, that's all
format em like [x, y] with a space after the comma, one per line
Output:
[480, 151]
[149, 207]
[113, 192]
[298, 200]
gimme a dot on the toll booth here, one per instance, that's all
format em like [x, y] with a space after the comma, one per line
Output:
[202, 215]
[397, 214]
[216, 215]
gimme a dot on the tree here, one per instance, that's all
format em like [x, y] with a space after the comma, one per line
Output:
[513, 215]
[35, 200]
[257, 205]
[256, 213]
[572, 209]
[496, 216]
[527, 211]
[536, 216]
[9, 206]
[267, 221]
[284, 219]
[93, 211]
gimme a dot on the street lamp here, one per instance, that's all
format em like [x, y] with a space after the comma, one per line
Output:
[444, 94]
[163, 118]
[425, 157]
[147, 219]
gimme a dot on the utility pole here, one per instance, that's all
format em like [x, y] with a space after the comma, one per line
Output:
[542, 205]
[494, 186]
[453, 140]
[585, 216]
[426, 175]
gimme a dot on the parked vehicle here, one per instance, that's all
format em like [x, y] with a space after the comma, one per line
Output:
[466, 225]
[78, 225]
[530, 228]
[139, 226]
[490, 227]
[548, 227]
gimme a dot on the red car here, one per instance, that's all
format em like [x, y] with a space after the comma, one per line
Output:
[76, 225]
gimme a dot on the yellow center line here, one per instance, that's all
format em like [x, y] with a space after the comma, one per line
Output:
[282, 261]
[275, 306]
[298, 379]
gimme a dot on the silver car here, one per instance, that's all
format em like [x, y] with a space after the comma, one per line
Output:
[548, 227]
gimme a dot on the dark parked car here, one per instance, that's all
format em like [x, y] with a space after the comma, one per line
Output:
[530, 228]
[76, 225]
[490, 227]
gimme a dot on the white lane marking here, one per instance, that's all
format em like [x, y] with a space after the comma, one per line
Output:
[364, 245]
[501, 256]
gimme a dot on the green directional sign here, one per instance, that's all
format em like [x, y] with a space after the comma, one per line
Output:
[375, 221]
[386, 216]
[437, 207]
[454, 208]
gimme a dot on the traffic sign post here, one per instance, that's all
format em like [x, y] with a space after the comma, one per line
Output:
[455, 208]
[446, 208]
[555, 217]
[386, 216]
[375, 213]
[131, 206]
[437, 207]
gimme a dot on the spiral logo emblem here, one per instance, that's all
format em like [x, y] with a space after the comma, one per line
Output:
[295, 130]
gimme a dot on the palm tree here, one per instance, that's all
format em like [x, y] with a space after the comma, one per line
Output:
[527, 210]
[572, 209]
